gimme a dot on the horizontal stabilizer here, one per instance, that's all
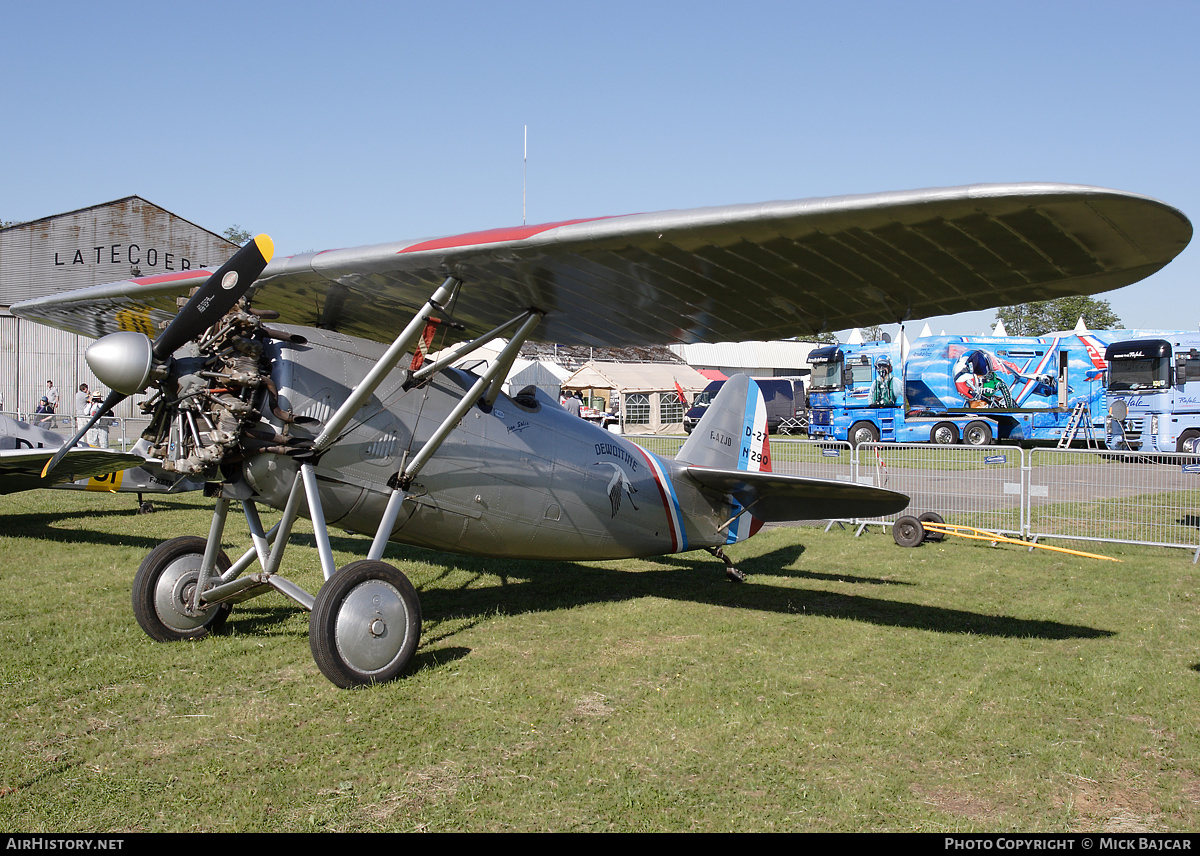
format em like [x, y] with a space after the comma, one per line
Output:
[20, 469]
[776, 498]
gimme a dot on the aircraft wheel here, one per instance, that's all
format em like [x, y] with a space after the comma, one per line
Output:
[977, 433]
[936, 519]
[908, 531]
[163, 588]
[944, 434]
[365, 624]
[862, 432]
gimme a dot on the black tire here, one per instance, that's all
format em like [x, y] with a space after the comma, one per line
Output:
[944, 434]
[908, 531]
[862, 432]
[365, 624]
[163, 587]
[936, 519]
[978, 433]
[1190, 434]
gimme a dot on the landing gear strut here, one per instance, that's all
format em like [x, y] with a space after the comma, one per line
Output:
[365, 622]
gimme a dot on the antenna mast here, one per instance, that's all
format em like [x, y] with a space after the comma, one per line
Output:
[524, 174]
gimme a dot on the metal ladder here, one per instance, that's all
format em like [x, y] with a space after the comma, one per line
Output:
[1080, 415]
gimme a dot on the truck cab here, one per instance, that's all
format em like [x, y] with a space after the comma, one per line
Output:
[1153, 394]
[840, 392]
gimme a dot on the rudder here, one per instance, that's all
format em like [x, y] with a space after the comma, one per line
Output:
[732, 434]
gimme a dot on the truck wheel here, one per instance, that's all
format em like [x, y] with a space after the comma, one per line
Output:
[944, 434]
[977, 433]
[1187, 441]
[862, 432]
[908, 531]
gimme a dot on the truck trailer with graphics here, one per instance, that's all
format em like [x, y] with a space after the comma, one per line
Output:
[975, 390]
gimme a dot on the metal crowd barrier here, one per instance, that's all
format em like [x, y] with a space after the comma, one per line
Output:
[664, 445]
[978, 486]
[1123, 497]
[122, 432]
[1035, 494]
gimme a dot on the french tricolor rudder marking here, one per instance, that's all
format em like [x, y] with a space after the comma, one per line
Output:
[756, 446]
[755, 456]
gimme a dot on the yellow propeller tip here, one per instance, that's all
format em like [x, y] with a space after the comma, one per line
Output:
[265, 246]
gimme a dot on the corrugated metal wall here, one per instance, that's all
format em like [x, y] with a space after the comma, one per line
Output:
[92, 246]
[104, 243]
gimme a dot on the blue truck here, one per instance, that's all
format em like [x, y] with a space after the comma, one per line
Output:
[960, 389]
[1153, 400]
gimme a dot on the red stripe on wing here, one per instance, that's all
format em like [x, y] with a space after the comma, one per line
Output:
[492, 236]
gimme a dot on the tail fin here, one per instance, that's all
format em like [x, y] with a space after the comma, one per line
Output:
[732, 434]
[732, 437]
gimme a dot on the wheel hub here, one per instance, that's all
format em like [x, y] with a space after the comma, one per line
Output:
[370, 626]
[175, 593]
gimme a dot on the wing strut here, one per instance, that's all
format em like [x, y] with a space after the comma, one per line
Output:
[483, 391]
[495, 372]
[366, 387]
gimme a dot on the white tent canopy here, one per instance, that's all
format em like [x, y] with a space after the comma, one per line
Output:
[649, 401]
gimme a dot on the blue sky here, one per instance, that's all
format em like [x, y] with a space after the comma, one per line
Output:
[337, 124]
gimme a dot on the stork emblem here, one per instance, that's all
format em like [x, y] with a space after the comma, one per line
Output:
[619, 484]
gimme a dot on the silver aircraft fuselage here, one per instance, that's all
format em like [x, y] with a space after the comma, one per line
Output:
[522, 478]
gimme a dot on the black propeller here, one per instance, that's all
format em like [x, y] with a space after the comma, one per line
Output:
[127, 354]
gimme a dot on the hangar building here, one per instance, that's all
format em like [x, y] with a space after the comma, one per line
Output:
[104, 243]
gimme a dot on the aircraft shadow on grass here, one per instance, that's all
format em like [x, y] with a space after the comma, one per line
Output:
[538, 586]
[53, 527]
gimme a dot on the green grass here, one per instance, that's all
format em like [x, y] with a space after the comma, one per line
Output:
[850, 684]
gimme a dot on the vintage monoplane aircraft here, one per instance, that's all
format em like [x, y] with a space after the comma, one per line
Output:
[319, 420]
[25, 449]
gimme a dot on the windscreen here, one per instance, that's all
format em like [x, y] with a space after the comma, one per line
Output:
[1125, 375]
[826, 376]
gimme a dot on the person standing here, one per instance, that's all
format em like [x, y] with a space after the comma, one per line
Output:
[81, 406]
[49, 405]
[97, 435]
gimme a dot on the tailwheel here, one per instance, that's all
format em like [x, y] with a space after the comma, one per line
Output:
[365, 624]
[164, 588]
[731, 573]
